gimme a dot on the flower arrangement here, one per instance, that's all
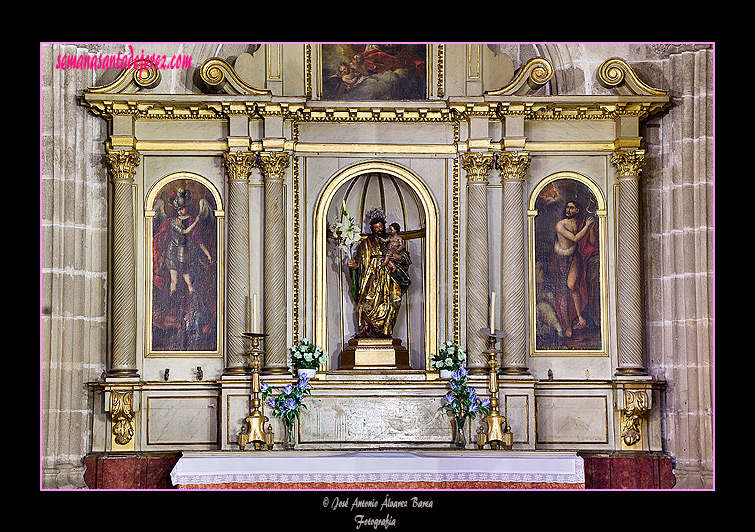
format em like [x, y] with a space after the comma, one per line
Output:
[288, 404]
[346, 231]
[450, 356]
[306, 355]
[462, 401]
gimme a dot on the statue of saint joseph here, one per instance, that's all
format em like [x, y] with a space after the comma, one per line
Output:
[379, 277]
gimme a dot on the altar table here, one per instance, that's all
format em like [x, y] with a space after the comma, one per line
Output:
[379, 470]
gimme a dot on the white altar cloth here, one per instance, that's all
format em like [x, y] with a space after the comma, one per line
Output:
[323, 468]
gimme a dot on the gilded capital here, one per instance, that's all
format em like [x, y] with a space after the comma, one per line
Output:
[122, 164]
[274, 164]
[513, 164]
[477, 165]
[239, 164]
[628, 163]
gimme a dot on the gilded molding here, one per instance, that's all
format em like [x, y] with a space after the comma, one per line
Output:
[122, 416]
[141, 75]
[513, 164]
[635, 409]
[628, 163]
[617, 74]
[533, 75]
[219, 75]
[477, 165]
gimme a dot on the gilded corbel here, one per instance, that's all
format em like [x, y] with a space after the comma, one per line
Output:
[634, 406]
[122, 417]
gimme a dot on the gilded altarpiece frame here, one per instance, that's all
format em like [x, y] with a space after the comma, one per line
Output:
[556, 329]
[182, 321]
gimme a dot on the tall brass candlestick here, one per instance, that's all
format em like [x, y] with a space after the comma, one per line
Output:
[495, 422]
[254, 429]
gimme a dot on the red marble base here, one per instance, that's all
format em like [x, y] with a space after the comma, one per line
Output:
[628, 471]
[130, 471]
[602, 471]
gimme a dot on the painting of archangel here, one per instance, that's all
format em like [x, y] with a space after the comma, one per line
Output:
[567, 268]
[374, 71]
[184, 271]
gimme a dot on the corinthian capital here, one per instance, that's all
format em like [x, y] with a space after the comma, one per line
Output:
[628, 163]
[122, 164]
[239, 164]
[274, 164]
[513, 164]
[477, 165]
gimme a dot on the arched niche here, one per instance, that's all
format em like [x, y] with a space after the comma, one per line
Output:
[555, 324]
[407, 200]
[179, 323]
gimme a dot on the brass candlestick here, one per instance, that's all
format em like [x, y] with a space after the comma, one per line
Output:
[254, 430]
[496, 423]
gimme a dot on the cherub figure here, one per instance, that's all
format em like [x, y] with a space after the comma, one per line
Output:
[395, 246]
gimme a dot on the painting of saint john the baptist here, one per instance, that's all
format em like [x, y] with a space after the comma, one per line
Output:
[567, 268]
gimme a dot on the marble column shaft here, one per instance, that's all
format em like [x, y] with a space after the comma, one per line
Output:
[274, 166]
[477, 165]
[238, 165]
[122, 165]
[513, 166]
[629, 264]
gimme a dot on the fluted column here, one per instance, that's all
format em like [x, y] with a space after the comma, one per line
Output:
[238, 165]
[273, 165]
[477, 165]
[513, 166]
[629, 267]
[123, 165]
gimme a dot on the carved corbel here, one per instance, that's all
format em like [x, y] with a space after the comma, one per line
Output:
[617, 74]
[121, 407]
[533, 75]
[221, 76]
[634, 408]
[142, 74]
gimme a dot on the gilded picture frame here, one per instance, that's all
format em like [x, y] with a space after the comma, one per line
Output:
[568, 270]
[183, 275]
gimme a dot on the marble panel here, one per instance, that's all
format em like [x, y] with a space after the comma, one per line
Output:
[373, 420]
[572, 419]
[182, 420]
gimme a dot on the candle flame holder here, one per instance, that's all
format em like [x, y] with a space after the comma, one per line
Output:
[253, 430]
[499, 433]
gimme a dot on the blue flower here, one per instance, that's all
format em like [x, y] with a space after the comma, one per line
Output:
[264, 387]
[485, 403]
[288, 389]
[303, 382]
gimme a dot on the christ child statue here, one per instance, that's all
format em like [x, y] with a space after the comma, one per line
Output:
[395, 246]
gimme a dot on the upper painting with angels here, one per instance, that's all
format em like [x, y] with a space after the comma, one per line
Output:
[374, 71]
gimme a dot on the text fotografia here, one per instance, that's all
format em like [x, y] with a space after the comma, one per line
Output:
[122, 61]
[357, 506]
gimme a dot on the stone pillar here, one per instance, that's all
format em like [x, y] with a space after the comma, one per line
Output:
[477, 165]
[238, 165]
[513, 166]
[273, 165]
[629, 264]
[123, 165]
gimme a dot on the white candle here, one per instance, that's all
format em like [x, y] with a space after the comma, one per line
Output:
[254, 313]
[492, 312]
